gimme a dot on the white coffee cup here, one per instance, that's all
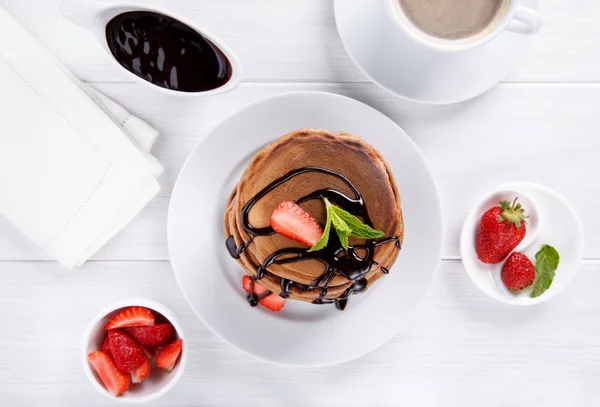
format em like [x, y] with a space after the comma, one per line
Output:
[94, 16]
[515, 17]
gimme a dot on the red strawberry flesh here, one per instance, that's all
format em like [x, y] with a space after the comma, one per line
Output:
[273, 302]
[149, 351]
[295, 223]
[264, 297]
[257, 289]
[518, 272]
[114, 380]
[142, 372]
[156, 335]
[105, 347]
[128, 355]
[167, 356]
[131, 316]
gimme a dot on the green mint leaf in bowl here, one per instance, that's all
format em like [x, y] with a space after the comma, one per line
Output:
[546, 263]
[345, 225]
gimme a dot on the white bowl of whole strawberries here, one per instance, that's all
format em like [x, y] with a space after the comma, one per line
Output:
[522, 243]
[134, 351]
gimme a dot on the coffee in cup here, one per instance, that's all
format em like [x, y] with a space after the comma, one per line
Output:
[454, 19]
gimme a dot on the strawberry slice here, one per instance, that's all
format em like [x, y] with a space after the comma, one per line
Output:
[149, 351]
[273, 302]
[156, 335]
[115, 381]
[258, 289]
[105, 347]
[265, 297]
[295, 223]
[139, 374]
[131, 316]
[167, 356]
[127, 353]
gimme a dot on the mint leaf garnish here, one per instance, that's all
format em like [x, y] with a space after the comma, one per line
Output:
[345, 225]
[322, 243]
[546, 263]
[343, 236]
[341, 227]
[339, 223]
[359, 229]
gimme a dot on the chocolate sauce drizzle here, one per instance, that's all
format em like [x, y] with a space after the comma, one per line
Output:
[253, 299]
[234, 251]
[337, 260]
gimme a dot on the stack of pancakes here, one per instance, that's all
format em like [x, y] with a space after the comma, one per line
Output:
[342, 153]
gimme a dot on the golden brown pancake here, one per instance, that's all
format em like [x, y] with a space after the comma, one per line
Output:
[341, 153]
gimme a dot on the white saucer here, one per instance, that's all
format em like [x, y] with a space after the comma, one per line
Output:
[552, 221]
[301, 334]
[391, 60]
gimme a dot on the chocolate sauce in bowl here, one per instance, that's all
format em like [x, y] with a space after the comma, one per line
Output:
[166, 52]
[337, 260]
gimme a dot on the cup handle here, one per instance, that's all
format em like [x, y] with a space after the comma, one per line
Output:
[525, 21]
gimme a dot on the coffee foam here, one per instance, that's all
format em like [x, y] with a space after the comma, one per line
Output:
[454, 19]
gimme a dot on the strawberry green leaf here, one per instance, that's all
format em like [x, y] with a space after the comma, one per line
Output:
[512, 212]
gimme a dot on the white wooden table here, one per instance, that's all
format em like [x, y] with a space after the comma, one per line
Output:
[461, 349]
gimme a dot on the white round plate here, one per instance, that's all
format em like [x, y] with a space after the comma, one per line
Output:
[390, 59]
[552, 221]
[301, 334]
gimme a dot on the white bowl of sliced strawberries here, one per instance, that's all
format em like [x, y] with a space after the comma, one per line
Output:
[134, 351]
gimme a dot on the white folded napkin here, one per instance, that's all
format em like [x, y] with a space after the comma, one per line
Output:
[74, 165]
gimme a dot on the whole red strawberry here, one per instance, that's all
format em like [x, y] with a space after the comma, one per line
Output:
[518, 272]
[501, 229]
